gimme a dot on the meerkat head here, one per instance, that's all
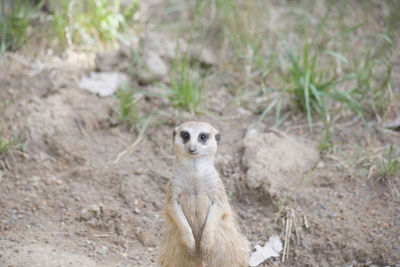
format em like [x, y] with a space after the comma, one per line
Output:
[195, 139]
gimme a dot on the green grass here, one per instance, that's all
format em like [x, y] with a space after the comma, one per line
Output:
[325, 143]
[310, 84]
[78, 22]
[186, 83]
[390, 166]
[128, 110]
[91, 20]
[330, 71]
[373, 72]
[14, 23]
[8, 144]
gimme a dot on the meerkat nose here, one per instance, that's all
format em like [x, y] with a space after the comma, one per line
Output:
[191, 148]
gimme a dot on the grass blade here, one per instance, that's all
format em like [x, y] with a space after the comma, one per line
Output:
[307, 98]
[268, 109]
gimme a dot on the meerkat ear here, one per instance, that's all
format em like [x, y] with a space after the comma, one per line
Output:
[218, 138]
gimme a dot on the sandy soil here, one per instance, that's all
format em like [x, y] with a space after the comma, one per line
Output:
[65, 202]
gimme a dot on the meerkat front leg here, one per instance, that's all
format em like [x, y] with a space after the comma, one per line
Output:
[175, 211]
[215, 214]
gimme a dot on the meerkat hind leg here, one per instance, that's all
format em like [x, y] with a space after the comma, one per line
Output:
[230, 248]
[174, 254]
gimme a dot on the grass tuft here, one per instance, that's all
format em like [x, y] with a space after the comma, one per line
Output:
[186, 78]
[128, 111]
[374, 77]
[390, 166]
[91, 20]
[14, 23]
[8, 144]
[186, 83]
[310, 85]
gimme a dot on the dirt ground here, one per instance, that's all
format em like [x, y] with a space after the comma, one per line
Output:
[65, 202]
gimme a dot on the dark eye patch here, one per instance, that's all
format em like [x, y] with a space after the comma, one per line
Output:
[203, 137]
[185, 136]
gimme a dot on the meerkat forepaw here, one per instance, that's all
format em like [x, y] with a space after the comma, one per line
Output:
[206, 244]
[190, 243]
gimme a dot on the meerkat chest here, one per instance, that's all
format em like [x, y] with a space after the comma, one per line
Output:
[197, 183]
[195, 207]
[197, 193]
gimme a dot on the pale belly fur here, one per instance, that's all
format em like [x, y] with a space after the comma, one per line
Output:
[195, 207]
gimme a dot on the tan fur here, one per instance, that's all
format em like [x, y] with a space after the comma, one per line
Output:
[201, 228]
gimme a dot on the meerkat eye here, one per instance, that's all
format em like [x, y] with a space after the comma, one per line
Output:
[203, 137]
[185, 136]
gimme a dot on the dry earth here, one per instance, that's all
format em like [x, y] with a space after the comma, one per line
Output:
[65, 202]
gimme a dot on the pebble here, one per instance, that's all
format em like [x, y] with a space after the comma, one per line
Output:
[242, 215]
[373, 212]
[93, 211]
[153, 68]
[333, 215]
[147, 238]
[103, 83]
[103, 250]
[109, 60]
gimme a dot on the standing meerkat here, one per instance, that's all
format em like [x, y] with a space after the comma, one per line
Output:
[201, 228]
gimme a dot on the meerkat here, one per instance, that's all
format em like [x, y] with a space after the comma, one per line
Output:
[201, 230]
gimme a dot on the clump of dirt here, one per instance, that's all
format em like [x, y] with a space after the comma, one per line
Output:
[276, 162]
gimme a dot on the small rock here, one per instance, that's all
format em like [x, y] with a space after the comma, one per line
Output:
[393, 125]
[103, 83]
[136, 210]
[152, 68]
[321, 165]
[333, 215]
[276, 162]
[34, 180]
[109, 60]
[138, 171]
[103, 250]
[147, 238]
[242, 215]
[93, 211]
[58, 182]
[1, 176]
[203, 55]
[164, 45]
